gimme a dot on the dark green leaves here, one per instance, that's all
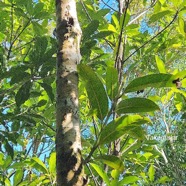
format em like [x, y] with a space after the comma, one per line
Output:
[23, 93]
[48, 90]
[90, 29]
[136, 105]
[152, 80]
[124, 125]
[95, 90]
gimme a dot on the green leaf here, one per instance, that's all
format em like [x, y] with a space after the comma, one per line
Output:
[164, 179]
[18, 177]
[38, 29]
[182, 26]
[152, 80]
[102, 34]
[120, 126]
[38, 164]
[101, 173]
[95, 90]
[128, 180]
[52, 163]
[9, 149]
[160, 64]
[151, 173]
[136, 105]
[90, 29]
[159, 15]
[112, 161]
[48, 90]
[23, 93]
[112, 82]
[19, 76]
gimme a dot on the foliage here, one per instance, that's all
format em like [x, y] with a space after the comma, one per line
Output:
[145, 112]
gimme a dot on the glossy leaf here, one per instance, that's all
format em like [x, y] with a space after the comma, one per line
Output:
[160, 64]
[23, 93]
[112, 82]
[101, 173]
[95, 90]
[120, 126]
[152, 80]
[52, 163]
[18, 177]
[38, 164]
[112, 161]
[136, 105]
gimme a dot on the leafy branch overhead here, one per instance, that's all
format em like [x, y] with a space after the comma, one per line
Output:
[115, 117]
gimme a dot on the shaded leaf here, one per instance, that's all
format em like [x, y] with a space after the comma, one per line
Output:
[95, 90]
[152, 80]
[101, 173]
[121, 126]
[48, 90]
[112, 161]
[90, 29]
[112, 82]
[9, 149]
[23, 93]
[136, 105]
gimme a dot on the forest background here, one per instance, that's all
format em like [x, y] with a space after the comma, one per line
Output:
[132, 119]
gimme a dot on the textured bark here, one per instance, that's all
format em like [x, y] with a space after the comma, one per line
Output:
[68, 138]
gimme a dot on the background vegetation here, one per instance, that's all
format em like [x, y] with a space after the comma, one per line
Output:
[141, 107]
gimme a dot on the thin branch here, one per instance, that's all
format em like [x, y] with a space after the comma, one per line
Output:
[121, 32]
[175, 16]
[106, 4]
[16, 37]
[86, 12]
[93, 177]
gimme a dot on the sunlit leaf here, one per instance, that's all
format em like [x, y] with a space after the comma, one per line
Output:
[101, 173]
[128, 180]
[112, 161]
[38, 164]
[160, 65]
[151, 173]
[52, 162]
[18, 177]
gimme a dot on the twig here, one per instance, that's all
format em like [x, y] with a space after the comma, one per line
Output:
[175, 16]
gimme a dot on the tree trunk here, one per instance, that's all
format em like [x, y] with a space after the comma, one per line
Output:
[68, 137]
